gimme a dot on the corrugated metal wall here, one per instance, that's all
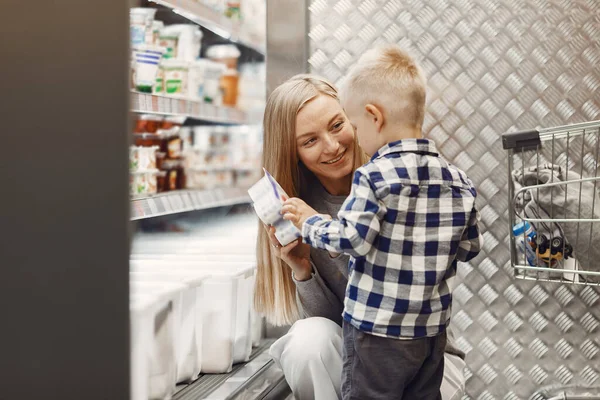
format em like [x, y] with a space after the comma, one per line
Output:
[493, 66]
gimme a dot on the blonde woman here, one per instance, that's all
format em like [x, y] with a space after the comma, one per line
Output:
[310, 148]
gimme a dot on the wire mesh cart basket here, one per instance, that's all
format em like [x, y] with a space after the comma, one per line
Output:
[554, 203]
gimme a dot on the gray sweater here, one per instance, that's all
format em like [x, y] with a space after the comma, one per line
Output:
[323, 294]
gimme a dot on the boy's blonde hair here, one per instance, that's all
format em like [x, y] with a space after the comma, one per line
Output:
[388, 77]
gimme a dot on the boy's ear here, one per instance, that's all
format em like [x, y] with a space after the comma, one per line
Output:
[375, 115]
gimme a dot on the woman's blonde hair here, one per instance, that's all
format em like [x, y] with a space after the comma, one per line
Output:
[275, 291]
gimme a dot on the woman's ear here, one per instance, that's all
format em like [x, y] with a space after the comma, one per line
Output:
[375, 115]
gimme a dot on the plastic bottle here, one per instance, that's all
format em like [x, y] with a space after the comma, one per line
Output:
[523, 240]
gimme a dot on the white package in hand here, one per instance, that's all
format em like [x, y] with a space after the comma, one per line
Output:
[268, 198]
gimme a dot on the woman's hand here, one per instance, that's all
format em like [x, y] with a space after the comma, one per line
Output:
[297, 211]
[295, 254]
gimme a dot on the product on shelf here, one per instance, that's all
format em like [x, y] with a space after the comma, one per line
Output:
[147, 123]
[182, 41]
[200, 157]
[227, 54]
[167, 140]
[146, 62]
[185, 132]
[157, 26]
[160, 158]
[216, 5]
[175, 76]
[175, 178]
[140, 25]
[168, 40]
[170, 122]
[251, 90]
[212, 82]
[142, 158]
[232, 10]
[142, 182]
[204, 72]
[171, 142]
[229, 84]
[158, 149]
[161, 181]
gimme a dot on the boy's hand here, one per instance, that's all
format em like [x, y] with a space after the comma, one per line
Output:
[297, 211]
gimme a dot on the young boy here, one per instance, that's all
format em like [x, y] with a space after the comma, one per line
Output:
[409, 218]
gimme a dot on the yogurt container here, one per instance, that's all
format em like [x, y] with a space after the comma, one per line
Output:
[227, 54]
[268, 197]
[175, 76]
[142, 158]
[169, 41]
[140, 25]
[183, 41]
[142, 183]
[196, 78]
[157, 26]
[213, 72]
[146, 58]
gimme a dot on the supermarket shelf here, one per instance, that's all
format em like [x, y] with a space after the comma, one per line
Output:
[186, 200]
[172, 106]
[213, 21]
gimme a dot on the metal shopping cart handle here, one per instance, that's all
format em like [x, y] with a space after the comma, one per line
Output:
[521, 140]
[532, 138]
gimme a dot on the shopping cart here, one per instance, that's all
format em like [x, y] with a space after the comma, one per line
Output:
[553, 203]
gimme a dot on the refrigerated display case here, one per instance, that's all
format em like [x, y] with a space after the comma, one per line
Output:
[210, 157]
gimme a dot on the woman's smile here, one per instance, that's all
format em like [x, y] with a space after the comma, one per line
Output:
[336, 160]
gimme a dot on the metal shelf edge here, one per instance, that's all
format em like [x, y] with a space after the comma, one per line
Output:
[186, 200]
[174, 106]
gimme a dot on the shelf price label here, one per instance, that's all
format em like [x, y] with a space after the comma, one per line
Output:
[137, 210]
[145, 102]
[223, 113]
[176, 202]
[135, 101]
[151, 206]
[205, 199]
[210, 111]
[163, 105]
[196, 203]
[187, 203]
[165, 204]
[159, 205]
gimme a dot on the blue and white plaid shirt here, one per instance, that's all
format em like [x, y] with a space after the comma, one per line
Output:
[409, 217]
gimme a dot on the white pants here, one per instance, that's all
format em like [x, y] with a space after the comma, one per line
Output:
[310, 355]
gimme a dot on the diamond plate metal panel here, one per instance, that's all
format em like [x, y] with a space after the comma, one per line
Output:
[492, 66]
